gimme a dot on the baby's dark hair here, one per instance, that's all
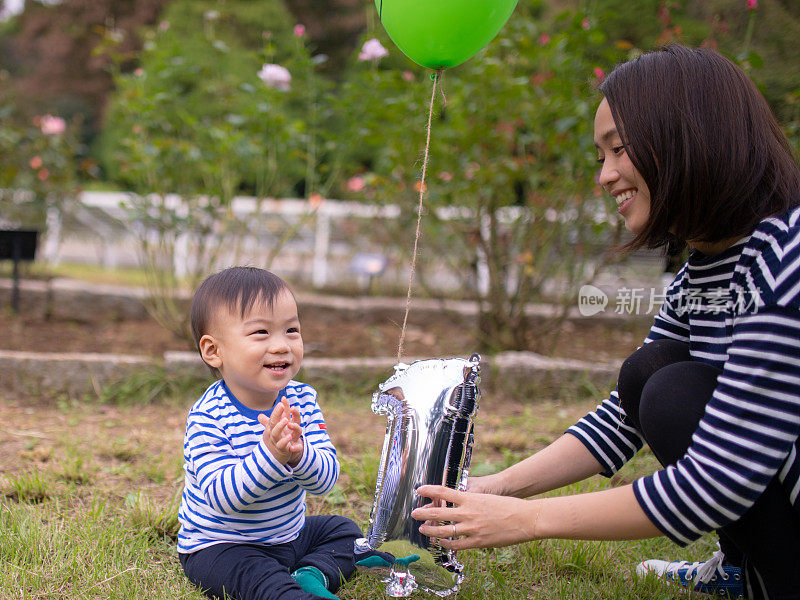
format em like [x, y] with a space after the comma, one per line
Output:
[236, 289]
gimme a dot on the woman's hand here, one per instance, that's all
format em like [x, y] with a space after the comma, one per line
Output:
[481, 520]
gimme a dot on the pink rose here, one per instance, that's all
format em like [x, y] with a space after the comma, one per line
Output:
[752, 4]
[372, 50]
[445, 176]
[36, 162]
[51, 125]
[544, 39]
[299, 30]
[355, 184]
[276, 77]
[598, 72]
[585, 23]
[43, 174]
[408, 76]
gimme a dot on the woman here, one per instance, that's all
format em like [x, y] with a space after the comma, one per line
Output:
[692, 154]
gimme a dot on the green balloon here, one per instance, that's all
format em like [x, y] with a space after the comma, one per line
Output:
[443, 33]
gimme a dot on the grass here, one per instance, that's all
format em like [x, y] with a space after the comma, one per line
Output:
[89, 496]
[98, 274]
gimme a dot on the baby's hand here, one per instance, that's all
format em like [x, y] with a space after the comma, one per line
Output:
[283, 434]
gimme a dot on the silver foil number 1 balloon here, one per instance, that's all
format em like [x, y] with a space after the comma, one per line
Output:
[430, 406]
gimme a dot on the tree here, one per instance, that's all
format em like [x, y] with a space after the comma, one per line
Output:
[511, 204]
[49, 54]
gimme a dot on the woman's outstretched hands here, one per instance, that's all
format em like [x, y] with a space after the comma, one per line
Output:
[283, 434]
[481, 520]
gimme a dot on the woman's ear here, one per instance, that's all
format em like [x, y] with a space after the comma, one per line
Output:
[210, 351]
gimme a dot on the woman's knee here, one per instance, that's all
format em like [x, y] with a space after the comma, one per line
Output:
[640, 366]
[673, 400]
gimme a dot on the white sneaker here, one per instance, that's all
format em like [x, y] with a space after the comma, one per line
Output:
[708, 577]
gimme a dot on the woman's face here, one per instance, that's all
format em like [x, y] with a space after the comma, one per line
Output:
[618, 175]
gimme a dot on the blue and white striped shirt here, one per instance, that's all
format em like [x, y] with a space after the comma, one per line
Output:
[235, 491]
[740, 312]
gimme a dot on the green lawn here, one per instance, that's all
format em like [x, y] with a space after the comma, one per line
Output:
[90, 487]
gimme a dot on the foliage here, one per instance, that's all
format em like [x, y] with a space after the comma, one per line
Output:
[194, 120]
[511, 141]
[511, 149]
[47, 50]
[39, 165]
[767, 34]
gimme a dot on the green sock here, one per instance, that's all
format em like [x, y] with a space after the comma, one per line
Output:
[312, 580]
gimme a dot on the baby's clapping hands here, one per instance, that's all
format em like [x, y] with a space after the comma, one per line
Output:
[283, 433]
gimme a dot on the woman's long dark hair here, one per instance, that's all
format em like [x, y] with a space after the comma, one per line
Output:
[706, 143]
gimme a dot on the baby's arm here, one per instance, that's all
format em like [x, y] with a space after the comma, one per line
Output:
[318, 469]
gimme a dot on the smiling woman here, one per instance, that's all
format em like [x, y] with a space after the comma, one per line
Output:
[618, 176]
[692, 154]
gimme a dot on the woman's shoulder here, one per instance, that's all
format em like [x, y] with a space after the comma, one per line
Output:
[777, 234]
[771, 257]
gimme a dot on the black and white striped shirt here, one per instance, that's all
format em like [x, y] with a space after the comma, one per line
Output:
[740, 312]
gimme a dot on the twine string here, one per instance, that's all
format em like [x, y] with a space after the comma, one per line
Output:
[435, 78]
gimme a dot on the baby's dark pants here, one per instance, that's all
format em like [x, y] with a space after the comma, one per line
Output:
[262, 572]
[664, 394]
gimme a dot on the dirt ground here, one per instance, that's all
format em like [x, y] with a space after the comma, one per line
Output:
[324, 336]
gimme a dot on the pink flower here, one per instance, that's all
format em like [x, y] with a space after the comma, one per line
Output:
[276, 77]
[36, 162]
[163, 26]
[445, 176]
[408, 76]
[355, 184]
[544, 39]
[752, 4]
[137, 129]
[266, 34]
[43, 174]
[598, 72]
[372, 50]
[585, 23]
[299, 30]
[138, 72]
[316, 200]
[51, 125]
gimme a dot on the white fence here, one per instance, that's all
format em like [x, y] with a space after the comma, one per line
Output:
[325, 239]
[321, 250]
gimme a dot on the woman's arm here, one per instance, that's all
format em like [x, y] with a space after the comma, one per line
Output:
[564, 461]
[488, 521]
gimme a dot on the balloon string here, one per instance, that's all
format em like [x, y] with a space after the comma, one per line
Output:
[435, 78]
